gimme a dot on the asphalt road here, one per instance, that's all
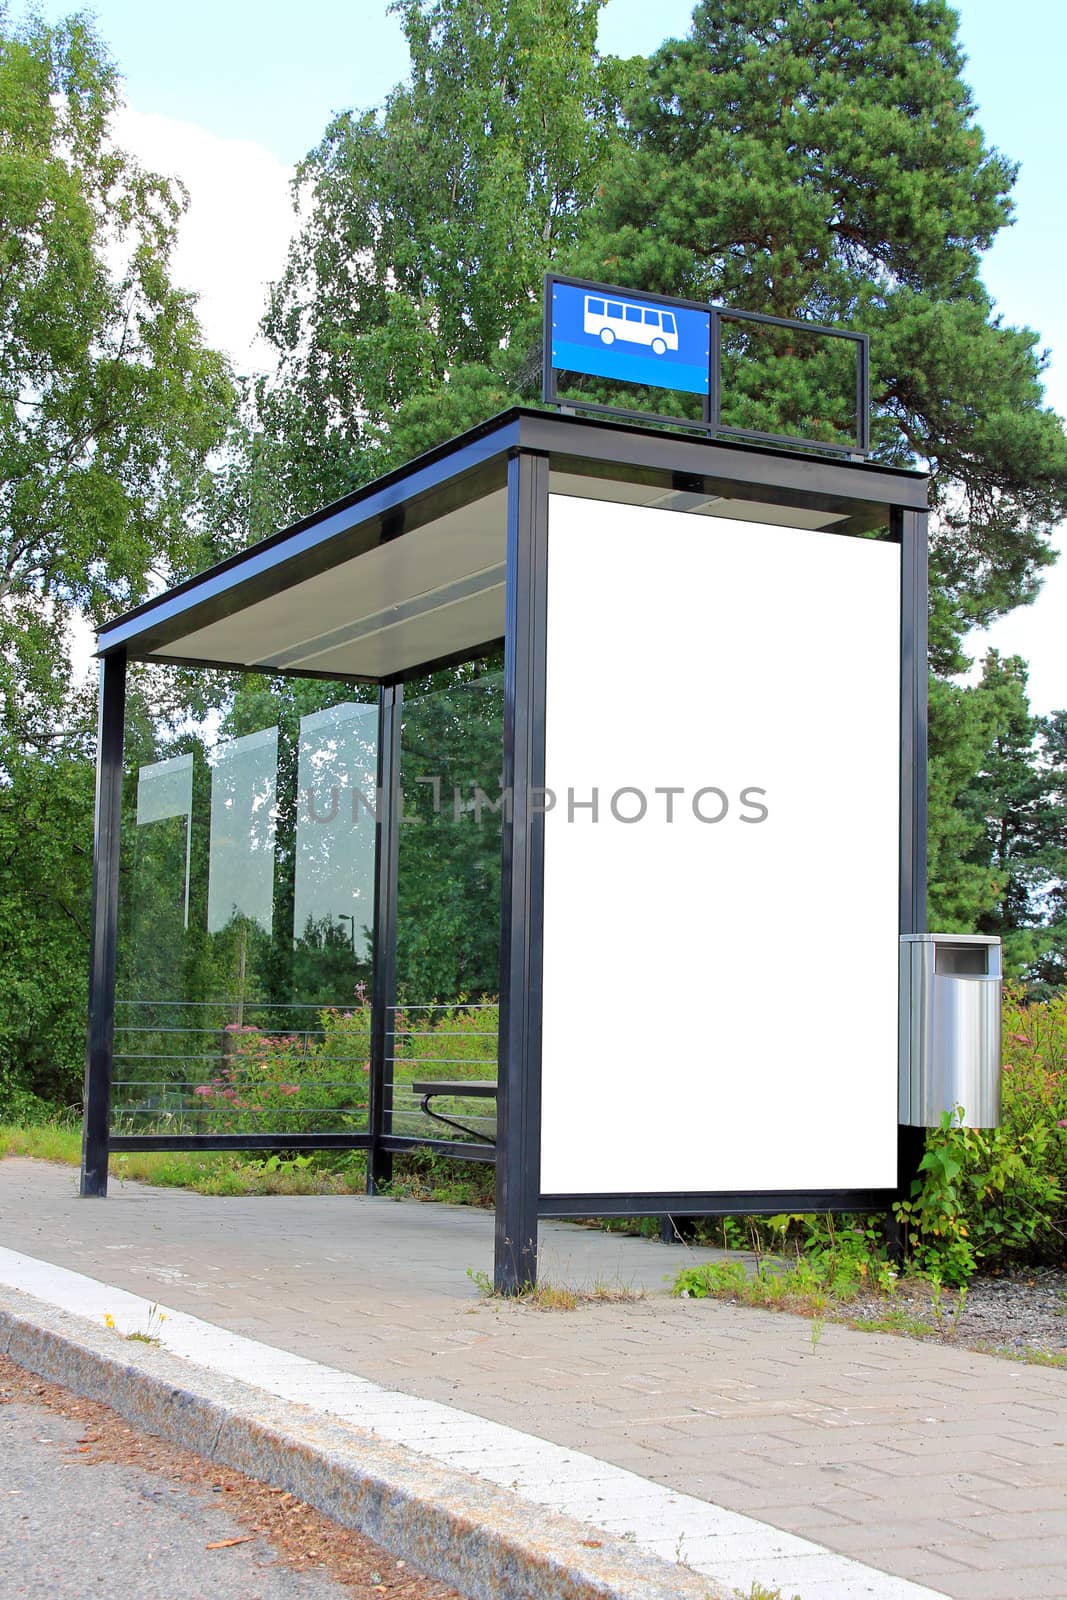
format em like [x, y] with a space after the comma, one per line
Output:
[72, 1529]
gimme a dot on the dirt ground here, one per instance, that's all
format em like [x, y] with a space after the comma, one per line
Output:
[302, 1537]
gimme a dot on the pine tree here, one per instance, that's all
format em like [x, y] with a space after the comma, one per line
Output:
[820, 159]
[1015, 802]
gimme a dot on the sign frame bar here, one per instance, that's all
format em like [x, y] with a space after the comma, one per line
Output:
[710, 422]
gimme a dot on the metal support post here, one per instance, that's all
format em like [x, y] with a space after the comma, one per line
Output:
[104, 936]
[911, 527]
[518, 1177]
[383, 981]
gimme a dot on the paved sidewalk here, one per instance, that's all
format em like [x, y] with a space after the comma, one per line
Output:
[943, 1467]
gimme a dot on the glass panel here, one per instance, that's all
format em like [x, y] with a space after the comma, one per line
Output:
[449, 906]
[788, 381]
[243, 817]
[245, 914]
[165, 792]
[336, 809]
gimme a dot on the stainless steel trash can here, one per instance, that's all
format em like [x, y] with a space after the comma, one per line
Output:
[950, 993]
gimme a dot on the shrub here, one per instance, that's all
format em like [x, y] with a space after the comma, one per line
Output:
[301, 1082]
[992, 1197]
[461, 1038]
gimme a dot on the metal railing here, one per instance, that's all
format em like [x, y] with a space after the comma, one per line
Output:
[188, 1067]
[461, 1046]
[256, 1072]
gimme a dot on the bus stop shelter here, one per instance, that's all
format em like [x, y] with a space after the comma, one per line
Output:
[712, 801]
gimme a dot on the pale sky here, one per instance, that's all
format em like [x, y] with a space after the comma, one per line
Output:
[230, 96]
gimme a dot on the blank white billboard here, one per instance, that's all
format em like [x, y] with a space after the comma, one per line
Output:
[720, 935]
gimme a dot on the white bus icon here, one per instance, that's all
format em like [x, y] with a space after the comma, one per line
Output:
[622, 319]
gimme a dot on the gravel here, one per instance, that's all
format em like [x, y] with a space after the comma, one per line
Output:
[1021, 1314]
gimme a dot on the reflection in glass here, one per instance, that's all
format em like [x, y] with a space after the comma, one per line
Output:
[165, 790]
[224, 1023]
[335, 827]
[448, 945]
[449, 867]
[244, 780]
[789, 381]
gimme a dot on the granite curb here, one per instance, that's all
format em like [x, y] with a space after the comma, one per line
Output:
[488, 1543]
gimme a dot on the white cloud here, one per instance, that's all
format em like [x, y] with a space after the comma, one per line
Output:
[233, 238]
[231, 245]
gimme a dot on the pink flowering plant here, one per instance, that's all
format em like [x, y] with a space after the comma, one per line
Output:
[312, 1081]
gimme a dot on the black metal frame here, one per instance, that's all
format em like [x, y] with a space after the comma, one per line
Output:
[472, 1089]
[383, 968]
[711, 422]
[104, 940]
[472, 465]
[522, 448]
[518, 1169]
[908, 528]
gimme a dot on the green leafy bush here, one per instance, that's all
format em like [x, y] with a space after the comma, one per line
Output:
[461, 1039]
[993, 1197]
[834, 1262]
[307, 1082]
[19, 1104]
[984, 1199]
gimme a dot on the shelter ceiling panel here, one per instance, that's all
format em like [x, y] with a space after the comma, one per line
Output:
[435, 591]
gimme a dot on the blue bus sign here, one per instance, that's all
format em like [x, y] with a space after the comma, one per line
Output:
[634, 338]
[630, 336]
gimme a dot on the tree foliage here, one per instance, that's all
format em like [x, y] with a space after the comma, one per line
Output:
[818, 159]
[998, 820]
[109, 400]
[46, 845]
[109, 405]
[428, 226]
[821, 160]
[815, 158]
[1018, 801]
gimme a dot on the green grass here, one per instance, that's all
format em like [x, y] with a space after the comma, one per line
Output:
[547, 1296]
[46, 1141]
[422, 1175]
[895, 1321]
[825, 1288]
[1035, 1358]
[425, 1175]
[213, 1172]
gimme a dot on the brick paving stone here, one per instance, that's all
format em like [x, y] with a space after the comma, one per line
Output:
[1035, 1527]
[1012, 1555]
[1044, 1584]
[1050, 1497]
[920, 1563]
[928, 1533]
[939, 1465]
